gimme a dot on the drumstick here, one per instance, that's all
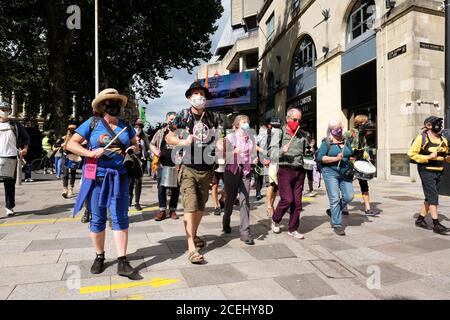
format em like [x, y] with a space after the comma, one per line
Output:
[115, 138]
[292, 139]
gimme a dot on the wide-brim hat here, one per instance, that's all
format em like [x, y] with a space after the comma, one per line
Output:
[197, 85]
[108, 94]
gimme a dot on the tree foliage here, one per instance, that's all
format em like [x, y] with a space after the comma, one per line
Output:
[139, 42]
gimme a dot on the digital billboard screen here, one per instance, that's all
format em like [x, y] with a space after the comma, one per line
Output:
[231, 89]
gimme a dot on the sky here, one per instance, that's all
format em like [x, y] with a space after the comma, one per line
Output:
[172, 98]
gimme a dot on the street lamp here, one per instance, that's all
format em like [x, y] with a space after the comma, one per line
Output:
[96, 47]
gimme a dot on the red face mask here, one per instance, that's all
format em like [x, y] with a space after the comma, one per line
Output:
[293, 125]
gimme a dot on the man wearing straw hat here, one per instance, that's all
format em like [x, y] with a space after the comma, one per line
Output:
[105, 177]
[12, 136]
[291, 174]
[198, 165]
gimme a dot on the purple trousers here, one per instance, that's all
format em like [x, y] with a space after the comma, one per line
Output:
[290, 186]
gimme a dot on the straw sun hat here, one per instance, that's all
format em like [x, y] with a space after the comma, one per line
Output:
[108, 94]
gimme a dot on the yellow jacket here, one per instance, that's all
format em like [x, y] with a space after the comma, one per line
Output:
[419, 155]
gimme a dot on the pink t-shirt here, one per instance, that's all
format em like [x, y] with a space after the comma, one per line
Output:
[241, 143]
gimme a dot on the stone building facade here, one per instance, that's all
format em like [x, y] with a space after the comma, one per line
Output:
[342, 58]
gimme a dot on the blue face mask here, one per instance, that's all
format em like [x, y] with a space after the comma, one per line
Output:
[245, 126]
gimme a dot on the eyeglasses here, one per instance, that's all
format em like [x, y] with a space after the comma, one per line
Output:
[295, 120]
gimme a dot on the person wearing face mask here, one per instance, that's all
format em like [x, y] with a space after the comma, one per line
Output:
[136, 181]
[199, 161]
[105, 184]
[291, 174]
[334, 159]
[240, 150]
[357, 139]
[13, 136]
[165, 153]
[429, 151]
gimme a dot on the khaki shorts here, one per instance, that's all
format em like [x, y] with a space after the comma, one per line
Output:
[273, 172]
[194, 187]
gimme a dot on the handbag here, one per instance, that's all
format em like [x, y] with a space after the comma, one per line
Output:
[131, 162]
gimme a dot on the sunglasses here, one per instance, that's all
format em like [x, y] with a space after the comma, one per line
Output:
[295, 120]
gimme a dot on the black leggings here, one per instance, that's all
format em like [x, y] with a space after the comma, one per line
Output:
[66, 173]
[364, 185]
[136, 186]
[309, 174]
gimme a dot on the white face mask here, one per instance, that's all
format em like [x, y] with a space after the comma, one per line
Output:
[198, 101]
[4, 114]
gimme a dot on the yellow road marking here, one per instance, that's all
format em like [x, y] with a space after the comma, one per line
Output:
[53, 221]
[155, 283]
[359, 196]
[307, 199]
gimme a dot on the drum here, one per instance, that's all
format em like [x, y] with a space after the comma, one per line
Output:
[7, 168]
[308, 164]
[364, 170]
[169, 177]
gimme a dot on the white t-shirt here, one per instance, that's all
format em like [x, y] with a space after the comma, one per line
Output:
[8, 141]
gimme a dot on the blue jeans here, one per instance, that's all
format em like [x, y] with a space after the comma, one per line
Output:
[58, 166]
[118, 208]
[335, 186]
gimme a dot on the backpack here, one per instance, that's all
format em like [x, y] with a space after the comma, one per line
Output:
[423, 146]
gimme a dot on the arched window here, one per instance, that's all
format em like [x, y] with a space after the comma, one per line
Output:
[361, 19]
[304, 56]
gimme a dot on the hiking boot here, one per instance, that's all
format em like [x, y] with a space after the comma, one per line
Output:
[339, 231]
[124, 268]
[138, 207]
[173, 215]
[98, 265]
[86, 217]
[160, 216]
[440, 229]
[217, 211]
[423, 224]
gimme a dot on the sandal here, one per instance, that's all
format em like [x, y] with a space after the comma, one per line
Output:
[270, 212]
[199, 243]
[195, 257]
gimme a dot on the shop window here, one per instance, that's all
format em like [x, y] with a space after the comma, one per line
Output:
[304, 57]
[361, 19]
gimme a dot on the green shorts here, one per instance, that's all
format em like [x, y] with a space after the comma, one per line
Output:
[194, 187]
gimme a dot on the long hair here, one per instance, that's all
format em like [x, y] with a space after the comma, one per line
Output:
[238, 119]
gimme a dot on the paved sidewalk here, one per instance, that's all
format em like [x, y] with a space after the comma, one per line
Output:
[44, 253]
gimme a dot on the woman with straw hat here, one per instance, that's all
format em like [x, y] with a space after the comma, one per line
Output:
[105, 177]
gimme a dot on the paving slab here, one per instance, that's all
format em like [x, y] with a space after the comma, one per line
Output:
[210, 275]
[31, 274]
[271, 251]
[61, 290]
[30, 236]
[200, 293]
[153, 281]
[430, 244]
[335, 245]
[29, 258]
[225, 255]
[407, 233]
[263, 289]
[368, 239]
[14, 246]
[305, 286]
[261, 269]
[362, 256]
[332, 269]
[5, 292]
[59, 244]
[389, 273]
[398, 249]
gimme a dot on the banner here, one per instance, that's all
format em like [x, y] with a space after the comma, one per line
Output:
[232, 89]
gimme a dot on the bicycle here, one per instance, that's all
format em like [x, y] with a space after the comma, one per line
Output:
[42, 165]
